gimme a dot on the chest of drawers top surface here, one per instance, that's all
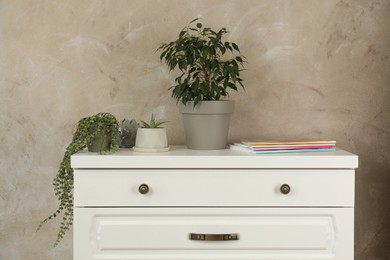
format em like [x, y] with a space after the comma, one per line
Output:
[181, 157]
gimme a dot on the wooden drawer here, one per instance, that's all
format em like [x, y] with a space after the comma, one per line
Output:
[263, 233]
[216, 187]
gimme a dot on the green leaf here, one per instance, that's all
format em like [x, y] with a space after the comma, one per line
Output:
[196, 19]
[239, 80]
[232, 86]
[213, 32]
[235, 47]
[172, 64]
[227, 45]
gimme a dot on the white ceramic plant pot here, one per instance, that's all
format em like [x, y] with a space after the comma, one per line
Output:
[151, 140]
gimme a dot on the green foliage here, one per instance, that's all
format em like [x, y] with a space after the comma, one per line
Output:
[200, 55]
[87, 129]
[152, 123]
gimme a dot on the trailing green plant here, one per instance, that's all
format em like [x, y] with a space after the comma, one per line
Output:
[87, 130]
[152, 123]
[209, 66]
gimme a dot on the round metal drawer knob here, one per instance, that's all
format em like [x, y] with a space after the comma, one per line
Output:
[285, 189]
[143, 188]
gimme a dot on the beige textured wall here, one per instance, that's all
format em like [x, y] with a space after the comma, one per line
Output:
[317, 69]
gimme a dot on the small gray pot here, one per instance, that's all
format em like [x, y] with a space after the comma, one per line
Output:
[101, 142]
[206, 125]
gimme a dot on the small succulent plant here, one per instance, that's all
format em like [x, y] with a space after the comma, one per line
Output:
[152, 123]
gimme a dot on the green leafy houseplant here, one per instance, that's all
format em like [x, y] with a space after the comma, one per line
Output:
[209, 66]
[89, 131]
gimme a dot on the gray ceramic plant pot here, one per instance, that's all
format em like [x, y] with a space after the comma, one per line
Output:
[206, 125]
[101, 142]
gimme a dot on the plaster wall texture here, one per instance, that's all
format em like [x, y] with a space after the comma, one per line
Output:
[316, 69]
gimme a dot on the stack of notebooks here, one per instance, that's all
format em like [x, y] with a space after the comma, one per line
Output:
[284, 147]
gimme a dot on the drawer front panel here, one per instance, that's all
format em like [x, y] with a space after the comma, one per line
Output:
[217, 187]
[262, 233]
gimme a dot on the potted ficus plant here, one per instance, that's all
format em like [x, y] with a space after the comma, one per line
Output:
[100, 134]
[151, 137]
[210, 67]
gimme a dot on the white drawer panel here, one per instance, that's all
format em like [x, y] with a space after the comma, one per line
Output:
[264, 233]
[217, 187]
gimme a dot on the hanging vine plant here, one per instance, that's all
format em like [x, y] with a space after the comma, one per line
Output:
[100, 134]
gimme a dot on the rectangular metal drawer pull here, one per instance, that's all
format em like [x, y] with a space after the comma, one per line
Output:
[214, 237]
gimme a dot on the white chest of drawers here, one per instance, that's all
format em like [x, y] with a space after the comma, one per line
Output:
[187, 204]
